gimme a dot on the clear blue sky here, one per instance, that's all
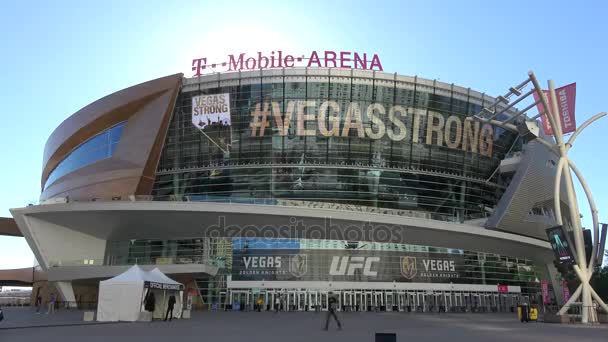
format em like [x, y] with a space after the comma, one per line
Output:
[59, 56]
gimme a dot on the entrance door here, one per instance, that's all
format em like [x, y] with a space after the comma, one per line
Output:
[302, 305]
[495, 303]
[402, 301]
[430, 301]
[475, 302]
[447, 300]
[271, 296]
[357, 301]
[412, 301]
[324, 301]
[368, 301]
[467, 302]
[390, 301]
[239, 299]
[421, 301]
[293, 300]
[457, 302]
[347, 300]
[377, 301]
[313, 300]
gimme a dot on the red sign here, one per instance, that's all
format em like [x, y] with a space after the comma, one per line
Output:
[565, 290]
[566, 98]
[503, 288]
[321, 59]
[544, 286]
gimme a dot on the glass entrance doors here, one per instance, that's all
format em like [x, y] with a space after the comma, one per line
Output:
[373, 300]
[240, 300]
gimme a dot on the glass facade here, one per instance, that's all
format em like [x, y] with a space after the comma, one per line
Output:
[413, 156]
[99, 147]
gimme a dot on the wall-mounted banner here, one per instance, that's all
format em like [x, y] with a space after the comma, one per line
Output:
[565, 290]
[279, 59]
[544, 286]
[566, 99]
[161, 286]
[372, 121]
[211, 109]
[345, 265]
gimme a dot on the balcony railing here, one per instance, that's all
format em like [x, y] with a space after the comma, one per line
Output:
[330, 204]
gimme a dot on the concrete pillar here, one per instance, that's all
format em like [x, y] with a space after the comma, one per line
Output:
[66, 292]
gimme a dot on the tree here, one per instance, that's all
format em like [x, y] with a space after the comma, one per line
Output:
[600, 282]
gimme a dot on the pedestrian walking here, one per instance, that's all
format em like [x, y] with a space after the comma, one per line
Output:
[331, 312]
[525, 313]
[38, 303]
[259, 302]
[277, 303]
[170, 308]
[52, 299]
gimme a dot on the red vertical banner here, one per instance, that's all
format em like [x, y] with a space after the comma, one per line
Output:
[544, 286]
[566, 99]
[565, 290]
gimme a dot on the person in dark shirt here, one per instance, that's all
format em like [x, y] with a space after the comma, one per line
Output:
[150, 302]
[38, 303]
[170, 307]
[331, 312]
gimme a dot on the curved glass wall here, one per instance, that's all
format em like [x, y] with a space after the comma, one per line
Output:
[351, 141]
[99, 147]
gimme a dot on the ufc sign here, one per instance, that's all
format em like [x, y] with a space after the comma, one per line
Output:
[347, 265]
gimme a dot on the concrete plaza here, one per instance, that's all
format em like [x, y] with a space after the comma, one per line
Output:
[24, 325]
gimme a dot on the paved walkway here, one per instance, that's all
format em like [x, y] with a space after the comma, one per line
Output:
[23, 317]
[306, 326]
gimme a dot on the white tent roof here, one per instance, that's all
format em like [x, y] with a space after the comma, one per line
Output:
[133, 274]
[136, 274]
[160, 277]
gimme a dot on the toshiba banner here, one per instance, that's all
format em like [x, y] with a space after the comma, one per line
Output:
[566, 98]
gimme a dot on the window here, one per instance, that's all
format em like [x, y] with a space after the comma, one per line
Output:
[99, 147]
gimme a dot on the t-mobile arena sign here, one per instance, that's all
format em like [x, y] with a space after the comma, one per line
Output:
[278, 59]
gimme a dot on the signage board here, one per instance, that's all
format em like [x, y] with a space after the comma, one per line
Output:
[544, 286]
[560, 246]
[211, 109]
[345, 265]
[161, 286]
[566, 98]
[565, 290]
[281, 59]
[373, 121]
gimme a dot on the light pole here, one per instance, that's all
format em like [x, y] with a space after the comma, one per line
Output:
[528, 129]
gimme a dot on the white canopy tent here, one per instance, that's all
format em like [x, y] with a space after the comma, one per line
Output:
[121, 298]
